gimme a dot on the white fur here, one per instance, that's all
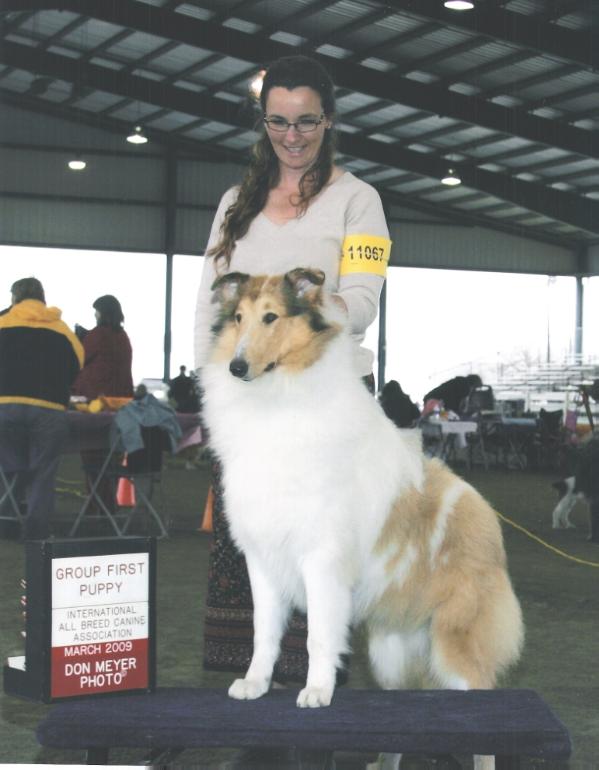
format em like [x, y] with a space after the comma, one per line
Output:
[561, 512]
[393, 656]
[312, 469]
[451, 497]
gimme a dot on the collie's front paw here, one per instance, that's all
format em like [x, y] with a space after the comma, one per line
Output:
[247, 689]
[314, 697]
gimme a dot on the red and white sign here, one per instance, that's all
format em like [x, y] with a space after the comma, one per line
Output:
[100, 625]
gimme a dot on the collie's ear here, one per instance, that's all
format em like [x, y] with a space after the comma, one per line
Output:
[305, 283]
[228, 287]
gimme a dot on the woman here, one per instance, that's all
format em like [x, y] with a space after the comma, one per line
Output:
[106, 372]
[107, 368]
[294, 208]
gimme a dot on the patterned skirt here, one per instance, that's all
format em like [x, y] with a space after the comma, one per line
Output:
[229, 628]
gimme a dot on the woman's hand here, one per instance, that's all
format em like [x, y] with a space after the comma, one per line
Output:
[340, 302]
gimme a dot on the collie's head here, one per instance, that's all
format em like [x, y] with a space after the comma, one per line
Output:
[271, 322]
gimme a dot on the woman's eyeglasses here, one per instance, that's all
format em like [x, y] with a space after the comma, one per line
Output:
[303, 125]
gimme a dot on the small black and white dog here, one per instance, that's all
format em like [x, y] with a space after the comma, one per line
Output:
[583, 484]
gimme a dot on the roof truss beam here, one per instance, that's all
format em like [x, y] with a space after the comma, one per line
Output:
[556, 204]
[566, 207]
[210, 152]
[533, 32]
[259, 49]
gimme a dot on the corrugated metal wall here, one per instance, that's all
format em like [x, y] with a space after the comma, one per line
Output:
[199, 187]
[117, 203]
[593, 260]
[441, 245]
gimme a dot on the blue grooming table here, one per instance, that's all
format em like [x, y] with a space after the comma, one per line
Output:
[510, 724]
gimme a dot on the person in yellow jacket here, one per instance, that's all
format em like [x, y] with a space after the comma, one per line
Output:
[39, 360]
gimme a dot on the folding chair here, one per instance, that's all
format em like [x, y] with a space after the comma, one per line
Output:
[479, 406]
[480, 399]
[144, 469]
[10, 510]
[483, 441]
[432, 438]
[517, 445]
[549, 440]
[99, 474]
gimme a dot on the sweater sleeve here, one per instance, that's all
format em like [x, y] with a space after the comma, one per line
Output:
[360, 285]
[206, 309]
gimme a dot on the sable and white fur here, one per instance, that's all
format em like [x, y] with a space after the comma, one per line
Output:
[338, 512]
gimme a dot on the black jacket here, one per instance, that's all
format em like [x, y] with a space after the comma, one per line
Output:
[39, 356]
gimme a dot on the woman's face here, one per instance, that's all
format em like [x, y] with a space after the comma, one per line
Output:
[295, 150]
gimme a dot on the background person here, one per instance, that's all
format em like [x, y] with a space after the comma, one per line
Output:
[398, 406]
[293, 208]
[183, 393]
[39, 360]
[108, 354]
[106, 372]
[453, 392]
[184, 396]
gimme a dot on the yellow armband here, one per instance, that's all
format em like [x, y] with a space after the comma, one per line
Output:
[364, 253]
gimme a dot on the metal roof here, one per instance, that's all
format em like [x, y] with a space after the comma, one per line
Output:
[507, 94]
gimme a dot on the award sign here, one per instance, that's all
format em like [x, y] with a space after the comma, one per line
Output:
[90, 619]
[100, 608]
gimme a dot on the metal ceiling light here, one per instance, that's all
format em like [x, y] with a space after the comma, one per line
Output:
[77, 164]
[451, 179]
[255, 86]
[137, 136]
[459, 5]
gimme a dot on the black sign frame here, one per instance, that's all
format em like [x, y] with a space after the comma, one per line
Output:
[34, 683]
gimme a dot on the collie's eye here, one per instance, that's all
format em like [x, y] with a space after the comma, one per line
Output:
[238, 317]
[269, 318]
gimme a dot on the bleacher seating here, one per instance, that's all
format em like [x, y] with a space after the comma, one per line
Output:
[551, 386]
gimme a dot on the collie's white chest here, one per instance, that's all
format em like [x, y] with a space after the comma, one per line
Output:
[307, 474]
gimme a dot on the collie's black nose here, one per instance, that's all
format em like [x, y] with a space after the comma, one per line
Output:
[238, 367]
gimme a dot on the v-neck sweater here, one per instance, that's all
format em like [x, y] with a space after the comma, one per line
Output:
[348, 206]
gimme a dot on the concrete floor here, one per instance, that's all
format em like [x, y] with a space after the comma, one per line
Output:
[559, 596]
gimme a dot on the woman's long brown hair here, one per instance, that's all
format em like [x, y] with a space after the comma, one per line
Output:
[263, 172]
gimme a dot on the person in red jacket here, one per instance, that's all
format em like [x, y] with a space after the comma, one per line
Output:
[106, 372]
[107, 367]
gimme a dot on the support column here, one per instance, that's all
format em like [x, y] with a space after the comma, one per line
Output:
[579, 315]
[382, 349]
[170, 210]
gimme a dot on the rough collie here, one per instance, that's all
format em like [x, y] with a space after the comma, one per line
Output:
[338, 512]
